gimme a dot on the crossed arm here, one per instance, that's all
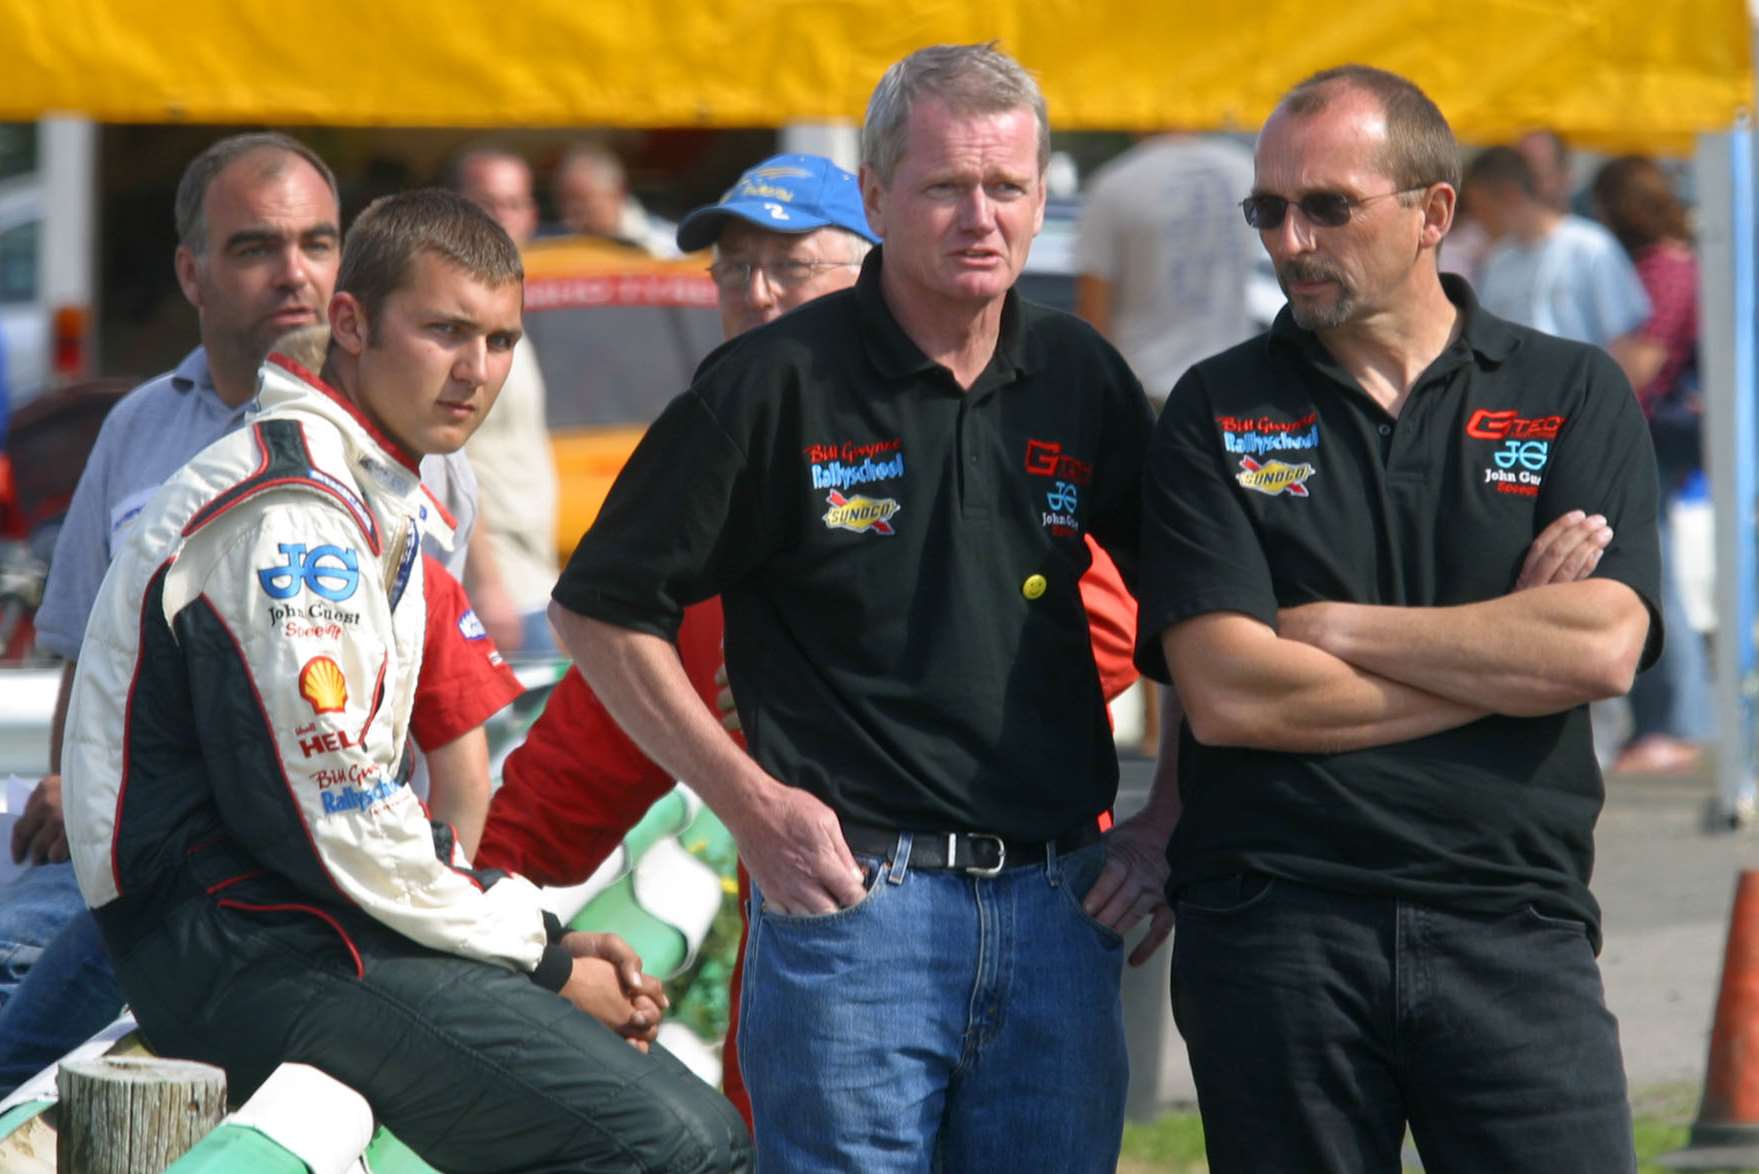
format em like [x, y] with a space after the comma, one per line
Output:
[1335, 677]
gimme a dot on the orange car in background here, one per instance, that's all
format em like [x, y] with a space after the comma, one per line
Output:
[618, 335]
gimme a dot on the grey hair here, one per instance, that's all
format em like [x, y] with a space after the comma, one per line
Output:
[970, 79]
[859, 246]
[199, 176]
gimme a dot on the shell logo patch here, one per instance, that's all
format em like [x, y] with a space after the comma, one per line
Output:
[860, 513]
[323, 686]
[1274, 477]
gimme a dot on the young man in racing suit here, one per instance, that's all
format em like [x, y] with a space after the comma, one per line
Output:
[237, 803]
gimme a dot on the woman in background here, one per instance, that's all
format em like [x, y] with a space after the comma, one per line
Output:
[1633, 197]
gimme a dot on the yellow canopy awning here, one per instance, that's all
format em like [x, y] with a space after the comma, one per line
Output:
[1620, 73]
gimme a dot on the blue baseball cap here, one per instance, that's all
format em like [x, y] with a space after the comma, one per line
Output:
[784, 193]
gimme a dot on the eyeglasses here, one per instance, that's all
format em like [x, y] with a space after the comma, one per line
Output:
[787, 273]
[1324, 209]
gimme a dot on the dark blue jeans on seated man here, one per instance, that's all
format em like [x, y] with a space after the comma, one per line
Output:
[945, 1022]
[57, 988]
[1320, 1023]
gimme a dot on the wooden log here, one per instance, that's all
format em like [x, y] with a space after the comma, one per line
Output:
[127, 1115]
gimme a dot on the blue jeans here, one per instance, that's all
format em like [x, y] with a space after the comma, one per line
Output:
[33, 909]
[59, 987]
[1319, 1023]
[944, 1022]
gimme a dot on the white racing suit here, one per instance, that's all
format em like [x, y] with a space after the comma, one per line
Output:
[267, 883]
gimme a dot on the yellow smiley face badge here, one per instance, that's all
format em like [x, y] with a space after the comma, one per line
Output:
[1033, 587]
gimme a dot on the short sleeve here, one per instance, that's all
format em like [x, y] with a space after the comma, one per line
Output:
[464, 681]
[1603, 462]
[683, 520]
[1117, 522]
[1199, 552]
[82, 552]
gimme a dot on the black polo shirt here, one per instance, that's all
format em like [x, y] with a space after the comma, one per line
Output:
[898, 559]
[1274, 480]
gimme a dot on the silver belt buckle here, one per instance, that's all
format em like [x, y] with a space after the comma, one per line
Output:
[1001, 853]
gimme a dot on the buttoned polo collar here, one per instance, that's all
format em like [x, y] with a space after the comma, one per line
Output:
[895, 355]
[193, 373]
[194, 376]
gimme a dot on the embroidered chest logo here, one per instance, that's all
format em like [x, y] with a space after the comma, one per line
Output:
[1061, 517]
[1274, 477]
[1046, 458]
[1522, 448]
[1256, 435]
[860, 514]
[1069, 474]
[840, 466]
[323, 686]
[326, 571]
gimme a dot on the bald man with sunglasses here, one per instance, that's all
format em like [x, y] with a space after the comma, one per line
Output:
[1391, 551]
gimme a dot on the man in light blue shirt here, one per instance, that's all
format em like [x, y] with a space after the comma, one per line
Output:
[1551, 270]
[260, 240]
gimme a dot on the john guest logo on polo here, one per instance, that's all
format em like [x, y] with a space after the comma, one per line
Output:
[1061, 517]
[1522, 448]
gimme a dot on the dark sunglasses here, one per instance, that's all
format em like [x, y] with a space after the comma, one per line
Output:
[1325, 209]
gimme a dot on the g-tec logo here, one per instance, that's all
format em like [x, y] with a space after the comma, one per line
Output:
[1046, 458]
[1274, 477]
[1504, 424]
[859, 514]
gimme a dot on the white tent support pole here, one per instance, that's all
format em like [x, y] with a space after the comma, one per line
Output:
[837, 141]
[1729, 318]
[67, 148]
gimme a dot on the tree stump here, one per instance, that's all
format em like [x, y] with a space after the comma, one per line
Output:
[134, 1116]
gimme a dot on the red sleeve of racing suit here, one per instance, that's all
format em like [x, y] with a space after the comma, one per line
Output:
[1111, 620]
[463, 681]
[574, 788]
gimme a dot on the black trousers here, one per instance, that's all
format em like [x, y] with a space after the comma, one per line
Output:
[472, 1066]
[1320, 1023]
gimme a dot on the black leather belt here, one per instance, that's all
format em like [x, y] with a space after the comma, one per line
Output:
[974, 853]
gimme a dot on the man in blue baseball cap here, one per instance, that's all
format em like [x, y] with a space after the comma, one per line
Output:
[790, 230]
